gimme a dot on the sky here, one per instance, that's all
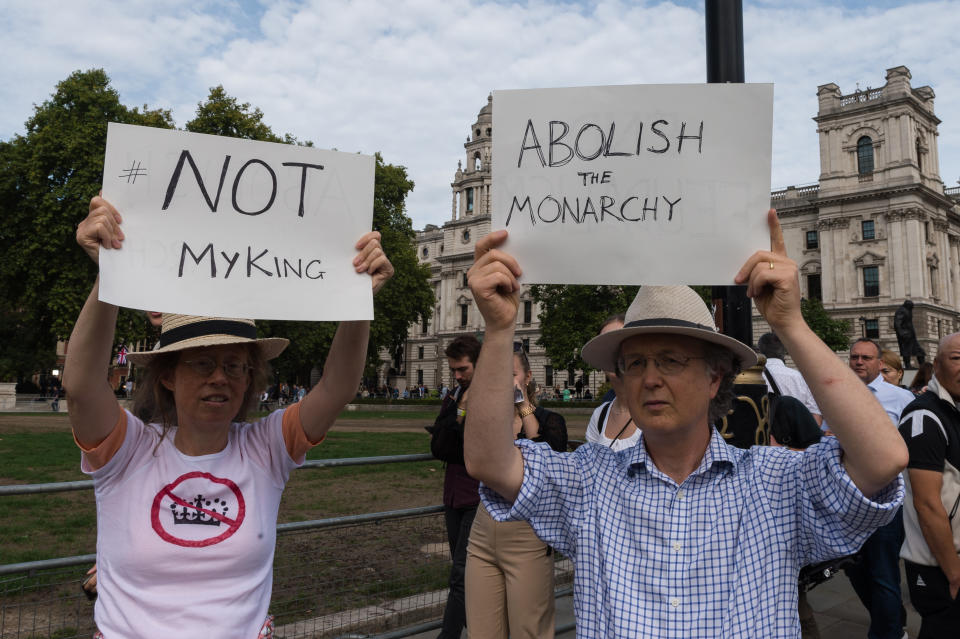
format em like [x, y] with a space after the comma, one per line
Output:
[408, 77]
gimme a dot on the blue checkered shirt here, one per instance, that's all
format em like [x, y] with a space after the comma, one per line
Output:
[716, 556]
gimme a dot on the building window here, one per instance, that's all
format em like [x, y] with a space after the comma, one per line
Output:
[465, 283]
[463, 315]
[419, 352]
[470, 199]
[866, 229]
[420, 377]
[527, 312]
[425, 251]
[934, 289]
[919, 156]
[871, 281]
[548, 375]
[526, 344]
[477, 164]
[813, 240]
[423, 327]
[865, 156]
[871, 328]
[813, 287]
[466, 236]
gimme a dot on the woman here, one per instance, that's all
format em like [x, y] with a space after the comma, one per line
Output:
[509, 576]
[922, 378]
[891, 367]
[187, 501]
[610, 424]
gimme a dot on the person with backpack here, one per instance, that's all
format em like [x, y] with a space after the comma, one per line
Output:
[931, 550]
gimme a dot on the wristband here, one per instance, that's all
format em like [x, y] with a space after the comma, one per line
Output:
[529, 410]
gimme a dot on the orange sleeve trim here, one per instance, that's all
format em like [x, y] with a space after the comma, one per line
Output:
[98, 456]
[293, 436]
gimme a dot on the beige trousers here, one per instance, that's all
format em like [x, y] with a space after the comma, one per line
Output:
[509, 581]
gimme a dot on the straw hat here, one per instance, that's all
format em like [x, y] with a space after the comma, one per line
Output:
[180, 332]
[675, 310]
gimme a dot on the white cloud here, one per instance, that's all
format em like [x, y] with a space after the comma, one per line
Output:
[407, 77]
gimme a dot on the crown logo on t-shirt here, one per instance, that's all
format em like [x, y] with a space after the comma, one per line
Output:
[201, 513]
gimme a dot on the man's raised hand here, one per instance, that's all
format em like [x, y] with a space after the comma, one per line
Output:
[493, 280]
[772, 280]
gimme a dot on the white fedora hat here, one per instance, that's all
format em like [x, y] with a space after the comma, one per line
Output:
[180, 332]
[674, 310]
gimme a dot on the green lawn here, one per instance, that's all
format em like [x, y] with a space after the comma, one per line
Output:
[63, 524]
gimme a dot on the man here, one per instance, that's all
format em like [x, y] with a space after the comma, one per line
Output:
[876, 577]
[789, 381]
[931, 428]
[682, 535]
[460, 496]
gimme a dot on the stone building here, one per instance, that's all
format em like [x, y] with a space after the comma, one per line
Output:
[878, 228]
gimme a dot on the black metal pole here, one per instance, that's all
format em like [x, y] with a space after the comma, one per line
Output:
[724, 30]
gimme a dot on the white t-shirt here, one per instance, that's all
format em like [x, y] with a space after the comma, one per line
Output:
[185, 544]
[791, 383]
[595, 431]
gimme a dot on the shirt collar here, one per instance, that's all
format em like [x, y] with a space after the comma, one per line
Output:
[719, 453]
[875, 384]
[934, 386]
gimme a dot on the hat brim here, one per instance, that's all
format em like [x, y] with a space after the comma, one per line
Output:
[269, 347]
[603, 350]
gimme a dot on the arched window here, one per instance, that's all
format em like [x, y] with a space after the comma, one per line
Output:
[477, 164]
[865, 156]
[470, 200]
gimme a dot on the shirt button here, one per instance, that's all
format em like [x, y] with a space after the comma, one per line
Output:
[679, 494]
[677, 546]
[675, 602]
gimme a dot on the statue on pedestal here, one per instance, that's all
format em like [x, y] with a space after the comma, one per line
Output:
[907, 336]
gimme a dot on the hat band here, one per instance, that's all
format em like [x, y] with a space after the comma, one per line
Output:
[668, 322]
[207, 327]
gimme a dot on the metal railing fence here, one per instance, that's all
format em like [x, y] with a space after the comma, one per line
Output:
[382, 574]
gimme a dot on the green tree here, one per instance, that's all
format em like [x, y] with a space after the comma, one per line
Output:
[401, 302]
[836, 333]
[47, 177]
[571, 315]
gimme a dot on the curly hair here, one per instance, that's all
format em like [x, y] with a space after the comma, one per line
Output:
[154, 403]
[723, 362]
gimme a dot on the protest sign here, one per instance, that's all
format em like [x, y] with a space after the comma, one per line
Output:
[235, 228]
[647, 184]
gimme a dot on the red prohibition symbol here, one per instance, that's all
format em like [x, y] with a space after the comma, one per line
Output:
[233, 524]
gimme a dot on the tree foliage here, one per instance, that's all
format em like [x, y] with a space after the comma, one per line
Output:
[47, 177]
[835, 333]
[571, 315]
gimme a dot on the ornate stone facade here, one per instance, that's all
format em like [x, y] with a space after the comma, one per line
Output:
[877, 229]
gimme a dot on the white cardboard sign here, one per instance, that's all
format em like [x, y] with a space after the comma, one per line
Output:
[235, 228]
[645, 184]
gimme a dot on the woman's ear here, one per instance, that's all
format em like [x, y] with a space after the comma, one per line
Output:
[168, 381]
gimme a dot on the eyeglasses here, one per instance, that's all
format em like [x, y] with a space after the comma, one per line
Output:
[205, 366]
[864, 358]
[666, 363]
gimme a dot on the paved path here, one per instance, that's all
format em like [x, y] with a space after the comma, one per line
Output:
[838, 612]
